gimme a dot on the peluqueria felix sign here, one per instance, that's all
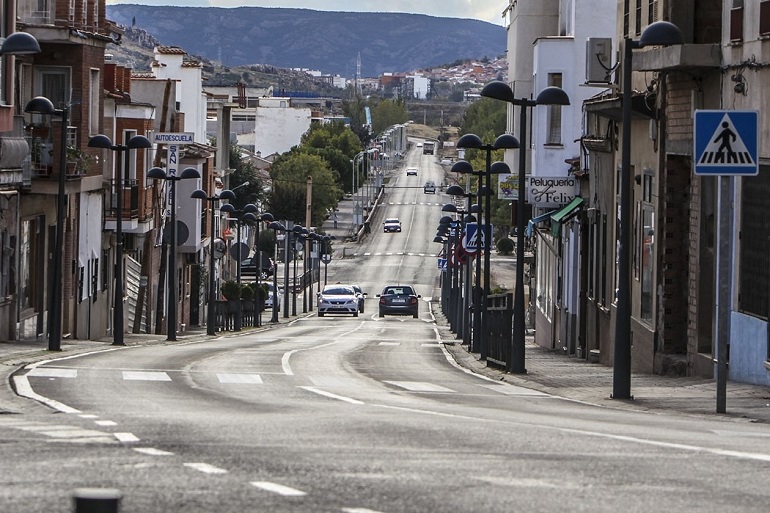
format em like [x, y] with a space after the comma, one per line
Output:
[542, 191]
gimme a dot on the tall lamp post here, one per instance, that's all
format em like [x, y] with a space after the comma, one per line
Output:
[504, 141]
[245, 215]
[104, 142]
[463, 328]
[157, 173]
[267, 217]
[549, 96]
[660, 33]
[200, 194]
[276, 227]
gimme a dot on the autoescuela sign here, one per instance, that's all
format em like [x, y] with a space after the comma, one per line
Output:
[542, 191]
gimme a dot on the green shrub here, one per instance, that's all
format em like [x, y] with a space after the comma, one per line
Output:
[247, 292]
[231, 290]
[505, 246]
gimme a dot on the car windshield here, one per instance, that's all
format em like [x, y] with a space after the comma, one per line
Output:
[399, 291]
[338, 291]
[391, 221]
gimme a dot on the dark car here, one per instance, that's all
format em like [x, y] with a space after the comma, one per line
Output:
[249, 267]
[399, 300]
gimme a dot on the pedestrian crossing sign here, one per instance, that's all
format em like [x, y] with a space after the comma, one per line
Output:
[726, 142]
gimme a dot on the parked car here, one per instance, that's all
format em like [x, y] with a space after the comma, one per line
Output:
[429, 187]
[273, 297]
[391, 224]
[361, 297]
[411, 171]
[340, 299]
[399, 300]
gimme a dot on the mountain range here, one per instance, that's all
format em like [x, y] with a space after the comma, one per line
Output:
[318, 40]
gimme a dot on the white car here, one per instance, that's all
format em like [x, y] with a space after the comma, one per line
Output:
[271, 295]
[340, 299]
[411, 171]
[392, 224]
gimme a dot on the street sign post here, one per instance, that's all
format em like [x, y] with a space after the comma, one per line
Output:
[726, 142]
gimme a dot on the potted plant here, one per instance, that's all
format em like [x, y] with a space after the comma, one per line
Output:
[231, 290]
[261, 293]
[78, 161]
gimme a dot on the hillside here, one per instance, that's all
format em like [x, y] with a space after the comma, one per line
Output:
[325, 41]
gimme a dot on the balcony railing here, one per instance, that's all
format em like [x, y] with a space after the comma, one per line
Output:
[36, 12]
[130, 206]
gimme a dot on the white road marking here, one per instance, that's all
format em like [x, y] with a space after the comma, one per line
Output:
[73, 432]
[419, 386]
[279, 489]
[126, 437]
[515, 390]
[247, 379]
[332, 396]
[145, 376]
[88, 416]
[105, 423]
[359, 510]
[206, 468]
[432, 344]
[151, 451]
[389, 344]
[25, 390]
[285, 365]
[46, 372]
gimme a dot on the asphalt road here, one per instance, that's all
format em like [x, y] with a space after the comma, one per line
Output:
[356, 415]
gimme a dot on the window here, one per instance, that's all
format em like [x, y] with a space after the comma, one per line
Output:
[764, 18]
[53, 82]
[626, 14]
[130, 174]
[652, 11]
[754, 259]
[545, 278]
[554, 113]
[736, 22]
[95, 88]
[638, 17]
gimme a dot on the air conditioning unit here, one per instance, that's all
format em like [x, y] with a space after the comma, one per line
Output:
[599, 60]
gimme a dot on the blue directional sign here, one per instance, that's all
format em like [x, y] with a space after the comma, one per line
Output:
[726, 142]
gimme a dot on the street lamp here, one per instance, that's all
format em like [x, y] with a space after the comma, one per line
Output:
[276, 227]
[549, 96]
[660, 33]
[463, 307]
[104, 142]
[246, 214]
[267, 217]
[157, 173]
[42, 105]
[200, 194]
[298, 233]
[504, 141]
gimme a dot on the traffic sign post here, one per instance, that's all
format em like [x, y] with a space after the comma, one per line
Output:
[726, 145]
[726, 142]
[476, 236]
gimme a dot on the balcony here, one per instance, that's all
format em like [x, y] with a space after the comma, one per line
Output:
[36, 12]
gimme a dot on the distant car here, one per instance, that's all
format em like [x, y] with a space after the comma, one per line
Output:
[361, 297]
[273, 297]
[429, 187]
[419, 145]
[411, 171]
[391, 224]
[446, 162]
[340, 299]
[399, 300]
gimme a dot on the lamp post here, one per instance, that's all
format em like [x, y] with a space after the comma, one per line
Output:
[298, 233]
[42, 105]
[246, 214]
[200, 194]
[104, 142]
[157, 173]
[267, 217]
[504, 141]
[660, 33]
[549, 96]
[276, 227]
[463, 307]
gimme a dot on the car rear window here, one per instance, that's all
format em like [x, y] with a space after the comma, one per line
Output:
[399, 291]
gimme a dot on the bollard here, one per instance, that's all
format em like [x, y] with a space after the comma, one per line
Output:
[96, 500]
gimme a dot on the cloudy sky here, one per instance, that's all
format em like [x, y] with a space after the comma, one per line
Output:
[486, 10]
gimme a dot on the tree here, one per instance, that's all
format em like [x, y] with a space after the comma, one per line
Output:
[244, 171]
[288, 199]
[387, 113]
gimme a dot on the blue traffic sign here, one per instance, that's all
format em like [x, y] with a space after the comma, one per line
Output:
[726, 142]
[471, 241]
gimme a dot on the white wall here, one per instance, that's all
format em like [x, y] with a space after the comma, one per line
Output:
[279, 126]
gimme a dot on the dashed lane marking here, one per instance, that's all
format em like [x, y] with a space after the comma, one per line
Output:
[145, 376]
[47, 372]
[126, 437]
[419, 386]
[206, 468]
[286, 491]
[246, 379]
[151, 451]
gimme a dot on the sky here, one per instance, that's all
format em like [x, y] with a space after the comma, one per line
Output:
[485, 10]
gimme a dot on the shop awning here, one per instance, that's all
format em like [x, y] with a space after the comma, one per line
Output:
[535, 220]
[564, 214]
